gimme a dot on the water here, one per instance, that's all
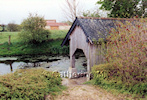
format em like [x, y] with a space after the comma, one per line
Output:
[60, 64]
[6, 68]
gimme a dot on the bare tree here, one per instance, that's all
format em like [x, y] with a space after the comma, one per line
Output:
[71, 9]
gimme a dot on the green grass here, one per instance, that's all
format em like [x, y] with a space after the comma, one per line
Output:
[53, 46]
[1, 28]
[137, 92]
[58, 34]
[4, 37]
[48, 48]
[102, 77]
[55, 34]
[30, 84]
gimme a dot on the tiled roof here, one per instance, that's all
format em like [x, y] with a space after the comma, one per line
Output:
[94, 28]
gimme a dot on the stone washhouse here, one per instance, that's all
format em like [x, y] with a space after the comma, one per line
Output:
[82, 35]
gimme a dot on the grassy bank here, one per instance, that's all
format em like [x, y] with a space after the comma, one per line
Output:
[51, 47]
[34, 84]
[30, 84]
[4, 36]
[102, 77]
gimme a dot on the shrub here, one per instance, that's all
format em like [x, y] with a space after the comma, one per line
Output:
[126, 66]
[33, 30]
[107, 77]
[29, 84]
[127, 50]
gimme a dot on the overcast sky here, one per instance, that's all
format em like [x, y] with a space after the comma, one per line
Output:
[17, 10]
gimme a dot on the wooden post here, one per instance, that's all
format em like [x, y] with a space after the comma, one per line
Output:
[88, 62]
[9, 41]
[11, 67]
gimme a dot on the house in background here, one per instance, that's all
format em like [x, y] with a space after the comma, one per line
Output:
[53, 25]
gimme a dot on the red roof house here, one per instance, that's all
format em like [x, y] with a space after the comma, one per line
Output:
[53, 25]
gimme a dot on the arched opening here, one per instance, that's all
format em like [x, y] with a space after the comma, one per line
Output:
[80, 61]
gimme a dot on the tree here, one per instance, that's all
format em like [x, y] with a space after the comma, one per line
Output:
[124, 8]
[143, 8]
[71, 9]
[33, 30]
[13, 27]
[0, 28]
[3, 27]
[91, 14]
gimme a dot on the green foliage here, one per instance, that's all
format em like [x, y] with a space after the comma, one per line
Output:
[107, 77]
[33, 30]
[52, 46]
[2, 28]
[127, 50]
[89, 14]
[13, 27]
[29, 84]
[124, 8]
[54, 35]
[126, 58]
[48, 48]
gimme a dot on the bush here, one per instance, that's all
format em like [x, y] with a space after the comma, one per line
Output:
[127, 50]
[107, 77]
[13, 27]
[33, 30]
[2, 28]
[126, 66]
[31, 84]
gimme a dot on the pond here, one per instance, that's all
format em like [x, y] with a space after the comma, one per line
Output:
[51, 63]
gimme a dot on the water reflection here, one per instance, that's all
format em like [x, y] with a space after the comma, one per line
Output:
[11, 67]
[59, 64]
[8, 62]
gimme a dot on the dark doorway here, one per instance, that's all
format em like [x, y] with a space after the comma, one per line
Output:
[80, 61]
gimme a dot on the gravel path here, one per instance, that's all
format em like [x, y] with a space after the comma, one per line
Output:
[79, 91]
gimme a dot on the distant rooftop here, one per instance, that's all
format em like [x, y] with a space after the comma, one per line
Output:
[54, 23]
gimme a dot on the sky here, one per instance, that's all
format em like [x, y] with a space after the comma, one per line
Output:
[14, 11]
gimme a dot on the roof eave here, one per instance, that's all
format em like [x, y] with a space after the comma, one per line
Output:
[69, 32]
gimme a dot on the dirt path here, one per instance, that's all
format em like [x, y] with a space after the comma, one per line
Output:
[78, 91]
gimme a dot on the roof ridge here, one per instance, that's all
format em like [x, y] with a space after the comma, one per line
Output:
[108, 18]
